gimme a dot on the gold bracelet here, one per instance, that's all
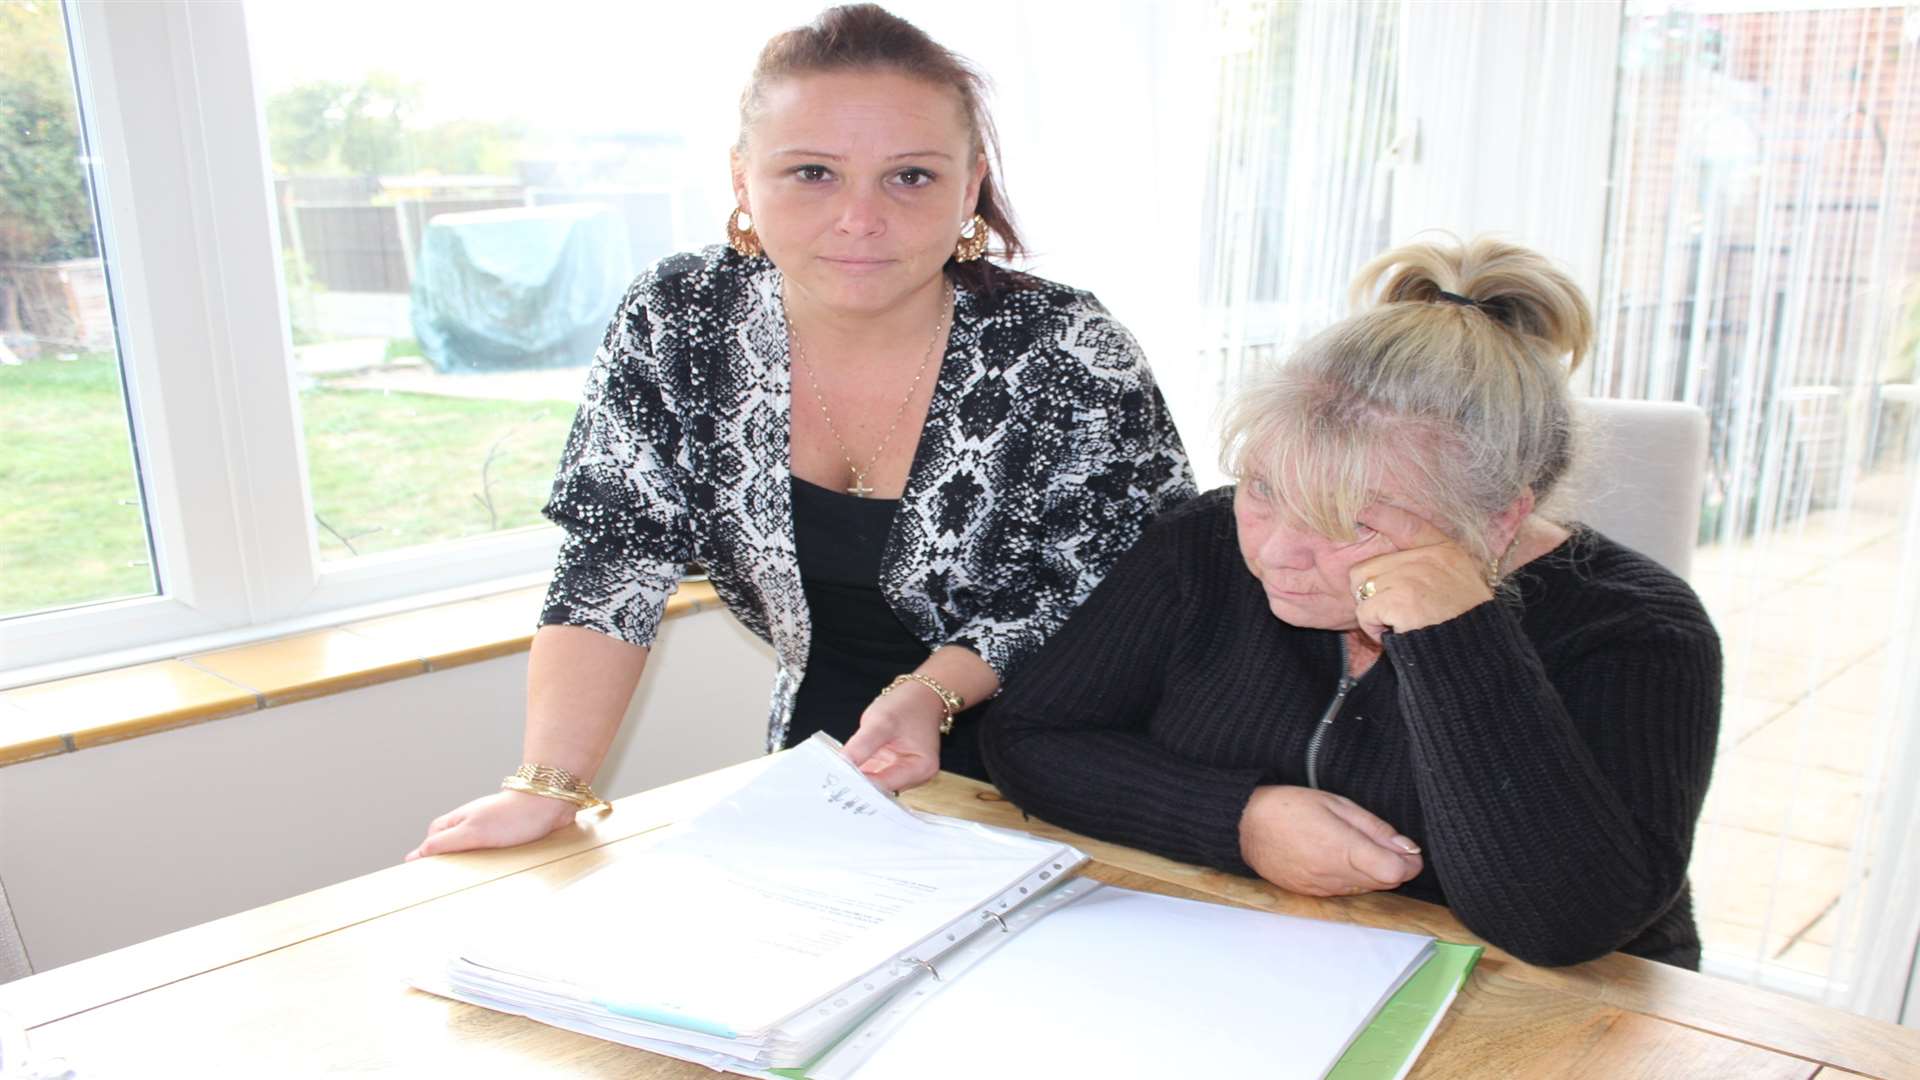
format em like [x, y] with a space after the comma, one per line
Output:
[553, 783]
[951, 702]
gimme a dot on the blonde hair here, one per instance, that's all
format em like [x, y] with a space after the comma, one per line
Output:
[1460, 398]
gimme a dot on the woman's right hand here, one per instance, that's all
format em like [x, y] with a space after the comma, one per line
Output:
[1321, 844]
[502, 819]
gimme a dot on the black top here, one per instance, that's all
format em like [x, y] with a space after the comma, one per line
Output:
[858, 644]
[1549, 751]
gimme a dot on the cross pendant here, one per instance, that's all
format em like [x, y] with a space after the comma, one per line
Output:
[859, 488]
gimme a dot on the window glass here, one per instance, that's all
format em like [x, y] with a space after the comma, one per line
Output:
[1763, 262]
[73, 528]
[463, 196]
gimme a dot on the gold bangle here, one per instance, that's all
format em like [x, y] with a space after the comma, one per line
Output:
[552, 783]
[585, 802]
[950, 702]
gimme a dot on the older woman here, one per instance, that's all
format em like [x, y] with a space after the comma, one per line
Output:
[901, 464]
[1376, 662]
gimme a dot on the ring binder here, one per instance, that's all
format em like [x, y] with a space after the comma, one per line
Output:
[838, 988]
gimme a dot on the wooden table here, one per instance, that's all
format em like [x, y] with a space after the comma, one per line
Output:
[317, 984]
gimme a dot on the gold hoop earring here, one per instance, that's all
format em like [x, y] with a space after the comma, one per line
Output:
[1493, 564]
[740, 238]
[973, 240]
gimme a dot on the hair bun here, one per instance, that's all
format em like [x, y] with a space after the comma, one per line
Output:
[1512, 285]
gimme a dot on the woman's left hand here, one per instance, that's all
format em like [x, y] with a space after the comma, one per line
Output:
[898, 743]
[1427, 578]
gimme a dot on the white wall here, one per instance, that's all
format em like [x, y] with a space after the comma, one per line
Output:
[111, 845]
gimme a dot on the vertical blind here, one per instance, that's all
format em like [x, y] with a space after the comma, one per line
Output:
[1297, 196]
[1760, 261]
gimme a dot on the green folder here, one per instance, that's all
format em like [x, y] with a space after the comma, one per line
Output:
[1386, 1047]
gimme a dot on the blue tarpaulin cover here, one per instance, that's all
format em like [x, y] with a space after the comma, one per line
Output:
[522, 287]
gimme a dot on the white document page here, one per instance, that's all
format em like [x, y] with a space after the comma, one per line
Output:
[1125, 984]
[803, 881]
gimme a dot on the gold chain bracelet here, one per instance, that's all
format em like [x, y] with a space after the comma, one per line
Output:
[951, 702]
[553, 783]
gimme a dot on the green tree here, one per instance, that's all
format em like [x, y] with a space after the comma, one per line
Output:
[372, 128]
[45, 212]
[373, 135]
[468, 146]
[355, 129]
[303, 125]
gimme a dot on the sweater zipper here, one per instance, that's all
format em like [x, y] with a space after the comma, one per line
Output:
[1326, 718]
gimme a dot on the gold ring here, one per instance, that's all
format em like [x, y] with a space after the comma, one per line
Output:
[1365, 592]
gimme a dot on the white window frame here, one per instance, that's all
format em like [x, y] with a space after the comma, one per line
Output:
[190, 240]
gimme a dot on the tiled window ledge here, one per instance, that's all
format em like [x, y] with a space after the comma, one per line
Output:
[88, 710]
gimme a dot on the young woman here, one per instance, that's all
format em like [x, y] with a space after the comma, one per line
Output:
[902, 464]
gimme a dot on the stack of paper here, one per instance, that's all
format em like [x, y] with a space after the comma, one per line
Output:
[754, 935]
[810, 927]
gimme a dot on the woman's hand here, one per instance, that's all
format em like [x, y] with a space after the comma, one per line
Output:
[502, 819]
[898, 743]
[1427, 578]
[1321, 844]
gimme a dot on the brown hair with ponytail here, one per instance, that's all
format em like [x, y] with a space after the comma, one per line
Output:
[867, 37]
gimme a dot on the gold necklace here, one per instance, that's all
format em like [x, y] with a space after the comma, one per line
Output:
[859, 486]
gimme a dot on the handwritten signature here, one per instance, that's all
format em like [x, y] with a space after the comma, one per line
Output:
[847, 797]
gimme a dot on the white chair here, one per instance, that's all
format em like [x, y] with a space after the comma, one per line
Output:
[1641, 472]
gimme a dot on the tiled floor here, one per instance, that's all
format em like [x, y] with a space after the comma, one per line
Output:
[1804, 618]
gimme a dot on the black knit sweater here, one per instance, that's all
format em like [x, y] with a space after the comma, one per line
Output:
[1549, 751]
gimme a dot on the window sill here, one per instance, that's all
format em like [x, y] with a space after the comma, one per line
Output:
[66, 715]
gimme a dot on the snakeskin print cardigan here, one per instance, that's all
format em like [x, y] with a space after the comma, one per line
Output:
[1046, 450]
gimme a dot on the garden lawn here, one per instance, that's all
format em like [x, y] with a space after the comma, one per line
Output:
[392, 471]
[71, 530]
[387, 471]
